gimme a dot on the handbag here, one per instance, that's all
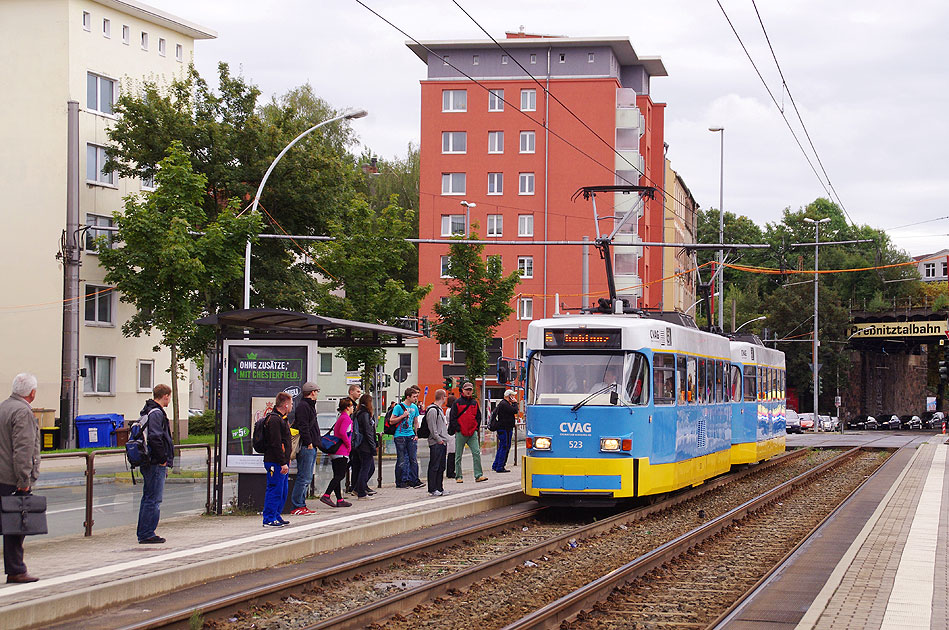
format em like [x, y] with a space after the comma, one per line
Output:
[329, 443]
[294, 442]
[23, 515]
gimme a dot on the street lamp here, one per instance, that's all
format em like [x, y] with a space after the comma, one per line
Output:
[697, 301]
[721, 225]
[359, 113]
[815, 342]
[756, 319]
[468, 206]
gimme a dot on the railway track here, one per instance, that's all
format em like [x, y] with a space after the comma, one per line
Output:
[391, 587]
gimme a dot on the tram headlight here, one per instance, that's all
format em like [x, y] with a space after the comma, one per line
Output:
[610, 444]
[541, 443]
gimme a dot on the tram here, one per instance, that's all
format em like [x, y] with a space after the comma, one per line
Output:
[628, 405]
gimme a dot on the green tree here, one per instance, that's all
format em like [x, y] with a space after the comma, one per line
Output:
[363, 263]
[478, 300]
[169, 274]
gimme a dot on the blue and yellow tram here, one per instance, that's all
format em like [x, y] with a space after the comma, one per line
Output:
[621, 406]
[758, 401]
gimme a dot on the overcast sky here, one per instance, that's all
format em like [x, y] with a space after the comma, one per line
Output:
[868, 76]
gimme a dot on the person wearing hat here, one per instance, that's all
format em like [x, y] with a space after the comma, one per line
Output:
[305, 422]
[507, 414]
[465, 416]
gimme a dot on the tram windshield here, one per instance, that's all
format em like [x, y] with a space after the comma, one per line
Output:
[566, 378]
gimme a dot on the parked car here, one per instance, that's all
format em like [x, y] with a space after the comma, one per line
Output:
[792, 422]
[826, 424]
[807, 421]
[889, 421]
[871, 424]
[910, 421]
[933, 419]
[858, 422]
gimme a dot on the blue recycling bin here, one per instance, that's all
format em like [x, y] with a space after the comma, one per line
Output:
[98, 430]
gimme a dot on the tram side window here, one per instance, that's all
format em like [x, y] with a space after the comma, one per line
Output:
[750, 387]
[700, 382]
[664, 378]
[736, 383]
[726, 379]
[781, 376]
[762, 385]
[719, 381]
[680, 368]
[692, 370]
[773, 384]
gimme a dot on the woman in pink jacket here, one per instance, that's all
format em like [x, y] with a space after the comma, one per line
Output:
[343, 429]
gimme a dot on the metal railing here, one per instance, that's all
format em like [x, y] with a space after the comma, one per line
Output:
[90, 457]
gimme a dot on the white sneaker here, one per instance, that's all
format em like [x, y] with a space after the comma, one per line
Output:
[437, 493]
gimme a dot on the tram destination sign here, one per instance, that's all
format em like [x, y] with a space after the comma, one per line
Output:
[567, 338]
[930, 328]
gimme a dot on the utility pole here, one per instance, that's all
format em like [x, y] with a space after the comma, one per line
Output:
[69, 392]
[815, 340]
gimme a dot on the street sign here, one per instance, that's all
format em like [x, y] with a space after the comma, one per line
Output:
[400, 375]
[836, 401]
[453, 370]
[819, 366]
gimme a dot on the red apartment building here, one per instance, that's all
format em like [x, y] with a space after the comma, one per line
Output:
[484, 142]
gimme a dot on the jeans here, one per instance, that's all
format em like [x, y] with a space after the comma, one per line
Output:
[475, 445]
[153, 489]
[276, 494]
[436, 466]
[504, 447]
[406, 464]
[340, 466]
[12, 545]
[367, 466]
[305, 459]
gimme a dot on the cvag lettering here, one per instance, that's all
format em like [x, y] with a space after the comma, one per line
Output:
[576, 427]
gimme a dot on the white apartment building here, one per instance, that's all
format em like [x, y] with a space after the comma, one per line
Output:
[933, 267]
[88, 51]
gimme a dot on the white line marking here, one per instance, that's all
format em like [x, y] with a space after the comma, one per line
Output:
[84, 507]
[237, 542]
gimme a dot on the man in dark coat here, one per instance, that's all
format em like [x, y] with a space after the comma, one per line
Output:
[506, 413]
[306, 423]
[161, 455]
[19, 463]
[277, 460]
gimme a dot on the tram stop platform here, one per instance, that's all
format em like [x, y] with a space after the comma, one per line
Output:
[880, 561]
[81, 575]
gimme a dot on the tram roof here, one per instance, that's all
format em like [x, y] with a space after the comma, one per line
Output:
[748, 352]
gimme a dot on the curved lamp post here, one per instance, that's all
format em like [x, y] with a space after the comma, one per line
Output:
[697, 301]
[815, 341]
[359, 113]
[756, 319]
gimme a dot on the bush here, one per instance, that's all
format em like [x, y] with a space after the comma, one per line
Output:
[201, 424]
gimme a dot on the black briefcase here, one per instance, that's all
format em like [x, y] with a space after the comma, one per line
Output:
[23, 514]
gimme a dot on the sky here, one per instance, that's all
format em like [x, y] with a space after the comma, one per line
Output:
[869, 79]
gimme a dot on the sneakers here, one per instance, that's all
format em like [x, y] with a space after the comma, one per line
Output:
[460, 480]
[364, 497]
[343, 503]
[327, 500]
[371, 491]
[503, 470]
[284, 521]
[276, 524]
[418, 485]
[302, 511]
[154, 540]
[481, 478]
[437, 493]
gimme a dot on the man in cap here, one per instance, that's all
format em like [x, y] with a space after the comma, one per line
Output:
[306, 423]
[466, 415]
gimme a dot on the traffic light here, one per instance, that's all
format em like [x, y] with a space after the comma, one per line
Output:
[448, 382]
[944, 371]
[426, 327]
[504, 372]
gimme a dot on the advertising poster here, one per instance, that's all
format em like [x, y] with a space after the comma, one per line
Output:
[256, 373]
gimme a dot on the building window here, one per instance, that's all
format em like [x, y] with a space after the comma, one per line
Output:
[148, 182]
[161, 46]
[144, 40]
[453, 183]
[589, 57]
[98, 305]
[146, 375]
[528, 100]
[126, 34]
[95, 160]
[528, 139]
[99, 375]
[86, 21]
[533, 58]
[526, 184]
[100, 93]
[475, 60]
[444, 352]
[326, 362]
[495, 100]
[929, 270]
[179, 52]
[525, 266]
[96, 220]
[495, 224]
[445, 267]
[495, 183]
[503, 60]
[454, 141]
[454, 100]
[525, 225]
[945, 266]
[405, 361]
[453, 224]
[106, 27]
[495, 142]
[563, 58]
[522, 349]
[525, 308]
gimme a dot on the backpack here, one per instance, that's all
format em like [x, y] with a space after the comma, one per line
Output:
[357, 433]
[494, 423]
[260, 435]
[423, 429]
[136, 448]
[387, 427]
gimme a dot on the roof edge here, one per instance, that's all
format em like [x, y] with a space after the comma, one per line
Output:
[161, 18]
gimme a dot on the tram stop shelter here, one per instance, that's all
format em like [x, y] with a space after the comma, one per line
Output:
[258, 353]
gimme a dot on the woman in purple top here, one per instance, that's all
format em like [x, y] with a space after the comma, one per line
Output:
[343, 429]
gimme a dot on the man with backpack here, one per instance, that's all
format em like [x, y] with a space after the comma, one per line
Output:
[306, 423]
[277, 459]
[161, 455]
[438, 438]
[465, 416]
[406, 442]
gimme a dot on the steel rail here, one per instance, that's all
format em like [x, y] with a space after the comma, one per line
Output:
[568, 606]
